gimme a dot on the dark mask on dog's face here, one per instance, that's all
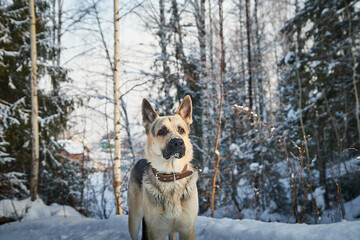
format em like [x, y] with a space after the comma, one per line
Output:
[175, 147]
[168, 133]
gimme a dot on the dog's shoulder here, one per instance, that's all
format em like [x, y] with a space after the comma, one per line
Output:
[137, 173]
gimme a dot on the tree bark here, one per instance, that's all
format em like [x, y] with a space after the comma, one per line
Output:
[211, 47]
[164, 58]
[117, 156]
[203, 78]
[59, 31]
[128, 131]
[298, 52]
[34, 107]
[241, 55]
[260, 87]
[355, 64]
[217, 153]
[249, 54]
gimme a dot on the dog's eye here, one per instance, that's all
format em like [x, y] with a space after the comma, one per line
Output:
[181, 130]
[162, 132]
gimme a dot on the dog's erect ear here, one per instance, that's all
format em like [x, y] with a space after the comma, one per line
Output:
[148, 114]
[185, 110]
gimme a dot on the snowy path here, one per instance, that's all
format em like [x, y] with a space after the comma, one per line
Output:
[57, 227]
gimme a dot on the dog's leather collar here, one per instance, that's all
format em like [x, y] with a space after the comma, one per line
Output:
[172, 177]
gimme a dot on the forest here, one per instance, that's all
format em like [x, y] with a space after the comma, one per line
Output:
[274, 86]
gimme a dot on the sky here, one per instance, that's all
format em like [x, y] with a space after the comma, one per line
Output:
[84, 55]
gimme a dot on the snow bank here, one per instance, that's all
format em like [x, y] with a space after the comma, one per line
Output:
[206, 228]
[251, 229]
[352, 209]
[62, 222]
[14, 209]
[27, 210]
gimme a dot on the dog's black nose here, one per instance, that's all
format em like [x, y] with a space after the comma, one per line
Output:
[175, 147]
[176, 143]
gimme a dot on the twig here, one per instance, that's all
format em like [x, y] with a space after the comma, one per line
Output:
[338, 191]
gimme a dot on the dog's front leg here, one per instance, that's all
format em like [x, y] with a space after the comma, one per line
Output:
[187, 235]
[153, 235]
[172, 236]
[135, 210]
[134, 223]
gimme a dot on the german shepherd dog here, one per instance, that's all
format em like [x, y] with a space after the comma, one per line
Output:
[162, 192]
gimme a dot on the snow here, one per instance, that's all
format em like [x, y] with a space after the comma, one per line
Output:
[319, 197]
[254, 166]
[324, 11]
[11, 84]
[57, 227]
[27, 210]
[314, 64]
[292, 115]
[62, 222]
[71, 147]
[289, 57]
[9, 53]
[352, 209]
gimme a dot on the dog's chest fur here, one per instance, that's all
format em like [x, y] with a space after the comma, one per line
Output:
[170, 196]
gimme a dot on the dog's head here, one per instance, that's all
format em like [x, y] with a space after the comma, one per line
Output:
[168, 136]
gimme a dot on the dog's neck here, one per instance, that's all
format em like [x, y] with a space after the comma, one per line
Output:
[173, 176]
[172, 165]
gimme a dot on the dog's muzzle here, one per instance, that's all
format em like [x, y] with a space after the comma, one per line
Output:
[175, 147]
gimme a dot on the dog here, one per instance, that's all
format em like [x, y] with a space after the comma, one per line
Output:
[162, 192]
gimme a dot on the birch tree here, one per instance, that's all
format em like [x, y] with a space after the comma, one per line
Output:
[117, 157]
[34, 107]
[163, 42]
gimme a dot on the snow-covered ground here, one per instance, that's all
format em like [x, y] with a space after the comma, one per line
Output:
[27, 210]
[43, 222]
[206, 228]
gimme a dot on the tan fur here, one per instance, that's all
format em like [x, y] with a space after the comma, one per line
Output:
[167, 207]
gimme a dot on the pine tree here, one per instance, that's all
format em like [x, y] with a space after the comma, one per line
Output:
[15, 92]
[179, 74]
[320, 69]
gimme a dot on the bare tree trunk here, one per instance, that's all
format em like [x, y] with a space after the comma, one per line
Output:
[34, 108]
[259, 74]
[128, 131]
[53, 19]
[217, 153]
[203, 77]
[164, 58]
[352, 49]
[59, 31]
[202, 36]
[241, 54]
[211, 48]
[117, 156]
[247, 6]
[298, 51]
[210, 93]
